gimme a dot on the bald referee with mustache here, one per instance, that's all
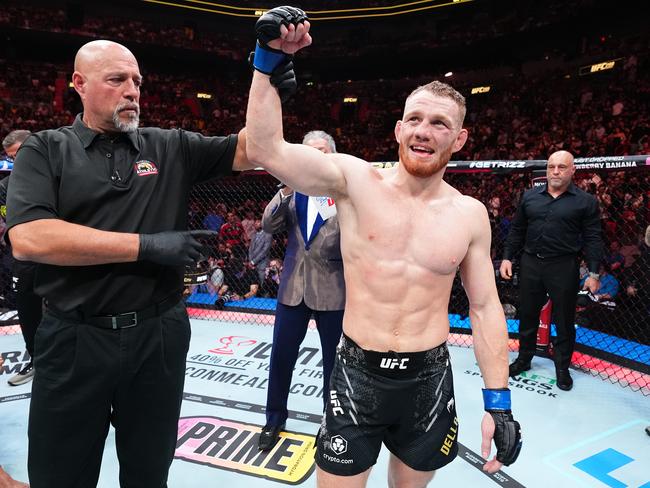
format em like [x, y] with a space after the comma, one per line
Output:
[102, 205]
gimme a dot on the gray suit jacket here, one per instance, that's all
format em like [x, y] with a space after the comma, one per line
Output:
[259, 249]
[314, 272]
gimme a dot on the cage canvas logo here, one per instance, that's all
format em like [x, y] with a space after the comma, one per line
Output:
[230, 343]
[527, 381]
[233, 446]
[145, 168]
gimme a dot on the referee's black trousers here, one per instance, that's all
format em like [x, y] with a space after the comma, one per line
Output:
[559, 278]
[28, 304]
[88, 378]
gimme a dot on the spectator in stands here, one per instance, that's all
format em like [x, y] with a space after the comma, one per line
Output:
[608, 285]
[223, 252]
[636, 284]
[553, 223]
[271, 282]
[232, 232]
[614, 259]
[628, 235]
[311, 284]
[216, 275]
[248, 224]
[259, 250]
[240, 282]
[28, 304]
[215, 217]
[113, 295]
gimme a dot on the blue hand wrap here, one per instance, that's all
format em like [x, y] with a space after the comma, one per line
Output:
[497, 400]
[267, 59]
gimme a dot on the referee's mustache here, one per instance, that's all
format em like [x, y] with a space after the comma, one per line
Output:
[128, 106]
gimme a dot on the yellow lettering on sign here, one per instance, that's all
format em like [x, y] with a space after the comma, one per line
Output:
[602, 66]
[231, 445]
[480, 89]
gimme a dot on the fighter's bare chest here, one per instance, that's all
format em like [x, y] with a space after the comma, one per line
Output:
[435, 237]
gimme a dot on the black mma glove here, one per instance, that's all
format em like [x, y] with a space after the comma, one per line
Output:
[283, 77]
[507, 432]
[268, 25]
[172, 248]
[267, 28]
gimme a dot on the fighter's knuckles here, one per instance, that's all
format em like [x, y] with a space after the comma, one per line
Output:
[269, 26]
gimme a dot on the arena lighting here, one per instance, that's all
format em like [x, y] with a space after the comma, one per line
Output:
[70, 85]
[480, 89]
[448, 74]
[366, 12]
[598, 67]
[207, 96]
[350, 100]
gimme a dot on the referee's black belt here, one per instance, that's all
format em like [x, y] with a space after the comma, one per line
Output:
[118, 321]
[550, 257]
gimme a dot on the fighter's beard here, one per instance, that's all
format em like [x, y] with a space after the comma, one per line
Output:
[420, 168]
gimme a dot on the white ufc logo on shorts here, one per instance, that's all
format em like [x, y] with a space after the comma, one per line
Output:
[336, 404]
[388, 363]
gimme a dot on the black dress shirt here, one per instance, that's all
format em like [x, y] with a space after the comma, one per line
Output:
[550, 227]
[135, 182]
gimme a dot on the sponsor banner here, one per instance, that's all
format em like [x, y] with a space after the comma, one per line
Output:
[503, 166]
[231, 445]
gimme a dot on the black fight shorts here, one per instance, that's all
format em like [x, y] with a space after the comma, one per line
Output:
[405, 400]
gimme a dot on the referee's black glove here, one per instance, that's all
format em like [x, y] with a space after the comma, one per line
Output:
[173, 248]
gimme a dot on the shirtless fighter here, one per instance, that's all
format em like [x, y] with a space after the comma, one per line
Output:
[405, 226]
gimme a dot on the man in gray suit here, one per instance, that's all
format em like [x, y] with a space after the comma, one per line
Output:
[259, 249]
[311, 284]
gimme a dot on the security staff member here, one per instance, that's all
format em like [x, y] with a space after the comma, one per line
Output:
[103, 205]
[552, 224]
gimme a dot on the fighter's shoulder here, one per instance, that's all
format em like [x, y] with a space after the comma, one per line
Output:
[351, 165]
[348, 159]
[467, 203]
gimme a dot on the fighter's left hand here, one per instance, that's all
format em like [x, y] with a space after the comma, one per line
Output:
[506, 436]
[487, 434]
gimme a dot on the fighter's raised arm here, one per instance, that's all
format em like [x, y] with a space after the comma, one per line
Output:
[282, 32]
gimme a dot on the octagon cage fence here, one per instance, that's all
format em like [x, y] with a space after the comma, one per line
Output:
[612, 334]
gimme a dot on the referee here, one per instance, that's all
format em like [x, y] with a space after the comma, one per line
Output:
[553, 224]
[102, 207]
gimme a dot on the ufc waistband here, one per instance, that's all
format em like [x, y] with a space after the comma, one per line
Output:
[393, 364]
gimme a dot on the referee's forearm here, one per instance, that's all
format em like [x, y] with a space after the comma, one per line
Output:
[54, 241]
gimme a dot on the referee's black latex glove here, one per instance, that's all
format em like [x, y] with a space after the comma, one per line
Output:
[173, 248]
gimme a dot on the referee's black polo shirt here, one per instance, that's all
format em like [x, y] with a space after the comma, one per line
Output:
[132, 182]
[550, 227]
